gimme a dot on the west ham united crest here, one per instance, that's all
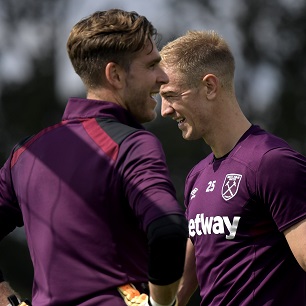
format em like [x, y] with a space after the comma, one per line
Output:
[230, 186]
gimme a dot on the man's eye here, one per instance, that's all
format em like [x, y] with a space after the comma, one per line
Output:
[169, 98]
[152, 65]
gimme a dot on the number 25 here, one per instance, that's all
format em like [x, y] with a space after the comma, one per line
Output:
[211, 186]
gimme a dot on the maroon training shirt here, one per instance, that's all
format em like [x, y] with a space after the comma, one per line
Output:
[86, 190]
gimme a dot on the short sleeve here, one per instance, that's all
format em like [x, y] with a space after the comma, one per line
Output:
[281, 183]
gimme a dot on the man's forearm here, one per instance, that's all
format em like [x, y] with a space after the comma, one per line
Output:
[189, 282]
[164, 295]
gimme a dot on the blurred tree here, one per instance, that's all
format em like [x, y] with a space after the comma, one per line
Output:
[28, 101]
[273, 36]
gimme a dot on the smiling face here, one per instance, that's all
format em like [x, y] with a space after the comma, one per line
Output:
[186, 105]
[142, 82]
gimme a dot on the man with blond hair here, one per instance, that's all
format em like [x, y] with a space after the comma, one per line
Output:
[246, 201]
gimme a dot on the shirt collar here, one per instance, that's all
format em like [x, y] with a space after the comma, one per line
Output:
[78, 108]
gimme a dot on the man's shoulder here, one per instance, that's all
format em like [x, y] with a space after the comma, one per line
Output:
[115, 129]
[257, 144]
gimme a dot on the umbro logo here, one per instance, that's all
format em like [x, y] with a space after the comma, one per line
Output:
[193, 193]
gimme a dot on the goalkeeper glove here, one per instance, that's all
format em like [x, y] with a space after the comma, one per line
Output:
[132, 297]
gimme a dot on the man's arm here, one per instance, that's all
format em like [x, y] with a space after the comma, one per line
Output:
[164, 295]
[189, 282]
[296, 238]
[167, 238]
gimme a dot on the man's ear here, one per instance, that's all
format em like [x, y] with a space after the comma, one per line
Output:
[115, 75]
[211, 83]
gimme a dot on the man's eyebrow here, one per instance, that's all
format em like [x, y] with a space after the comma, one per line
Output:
[167, 92]
[156, 60]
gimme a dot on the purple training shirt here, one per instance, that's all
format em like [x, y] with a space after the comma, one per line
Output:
[237, 207]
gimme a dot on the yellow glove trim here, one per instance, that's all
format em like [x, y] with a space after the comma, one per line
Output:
[132, 296]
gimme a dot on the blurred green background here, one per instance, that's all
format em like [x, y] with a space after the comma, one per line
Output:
[267, 39]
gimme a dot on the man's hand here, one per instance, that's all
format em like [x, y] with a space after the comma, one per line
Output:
[132, 296]
[5, 291]
[15, 302]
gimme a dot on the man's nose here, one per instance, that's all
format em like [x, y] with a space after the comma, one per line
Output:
[166, 108]
[163, 77]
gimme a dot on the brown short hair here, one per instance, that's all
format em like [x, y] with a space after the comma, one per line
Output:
[106, 36]
[198, 53]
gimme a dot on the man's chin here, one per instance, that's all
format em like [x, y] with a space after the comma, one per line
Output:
[186, 135]
[150, 117]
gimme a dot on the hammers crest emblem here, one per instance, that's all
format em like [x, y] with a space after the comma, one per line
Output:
[230, 186]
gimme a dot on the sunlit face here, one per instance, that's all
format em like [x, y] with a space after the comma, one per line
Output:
[143, 81]
[185, 105]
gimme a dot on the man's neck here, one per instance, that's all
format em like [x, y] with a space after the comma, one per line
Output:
[228, 137]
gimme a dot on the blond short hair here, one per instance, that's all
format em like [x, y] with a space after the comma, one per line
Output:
[198, 53]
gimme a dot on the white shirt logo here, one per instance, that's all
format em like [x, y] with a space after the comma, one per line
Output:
[193, 193]
[202, 225]
[230, 186]
[211, 186]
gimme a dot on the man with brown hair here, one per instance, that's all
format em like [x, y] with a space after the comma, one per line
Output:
[93, 191]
